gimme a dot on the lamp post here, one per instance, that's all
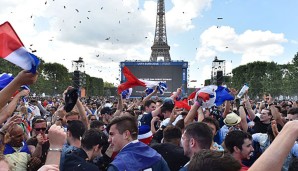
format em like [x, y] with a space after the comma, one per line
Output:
[55, 85]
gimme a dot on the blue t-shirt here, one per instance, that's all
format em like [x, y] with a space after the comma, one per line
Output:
[146, 119]
[65, 149]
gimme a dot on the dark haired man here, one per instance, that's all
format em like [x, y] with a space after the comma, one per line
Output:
[292, 114]
[213, 160]
[38, 144]
[132, 154]
[261, 123]
[97, 125]
[170, 148]
[196, 136]
[149, 113]
[75, 131]
[93, 108]
[214, 126]
[239, 144]
[166, 111]
[91, 145]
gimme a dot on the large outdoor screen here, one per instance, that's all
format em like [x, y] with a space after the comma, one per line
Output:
[173, 73]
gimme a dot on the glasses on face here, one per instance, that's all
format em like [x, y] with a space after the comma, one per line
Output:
[40, 129]
[93, 119]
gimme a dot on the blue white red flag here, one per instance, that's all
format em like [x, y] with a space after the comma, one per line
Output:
[13, 50]
[126, 93]
[213, 95]
[5, 79]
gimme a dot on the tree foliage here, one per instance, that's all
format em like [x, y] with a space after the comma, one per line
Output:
[267, 77]
[54, 78]
[94, 86]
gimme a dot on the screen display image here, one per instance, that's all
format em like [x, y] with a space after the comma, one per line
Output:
[173, 74]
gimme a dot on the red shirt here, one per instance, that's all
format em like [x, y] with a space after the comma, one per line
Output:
[244, 168]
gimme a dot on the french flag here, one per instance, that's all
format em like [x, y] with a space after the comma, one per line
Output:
[182, 104]
[133, 81]
[5, 79]
[13, 50]
[126, 93]
[213, 95]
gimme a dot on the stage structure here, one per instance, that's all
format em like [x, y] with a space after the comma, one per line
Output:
[79, 76]
[218, 71]
[174, 74]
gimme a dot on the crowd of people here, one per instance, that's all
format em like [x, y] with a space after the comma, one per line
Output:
[142, 134]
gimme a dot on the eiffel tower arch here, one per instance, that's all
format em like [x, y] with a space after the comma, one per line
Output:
[160, 47]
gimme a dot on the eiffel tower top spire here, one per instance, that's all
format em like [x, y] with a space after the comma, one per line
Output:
[160, 47]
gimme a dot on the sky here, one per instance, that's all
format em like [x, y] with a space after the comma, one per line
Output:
[107, 32]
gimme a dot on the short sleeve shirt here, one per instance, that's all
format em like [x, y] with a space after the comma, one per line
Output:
[259, 126]
[45, 147]
[146, 119]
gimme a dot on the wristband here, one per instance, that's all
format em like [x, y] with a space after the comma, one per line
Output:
[55, 149]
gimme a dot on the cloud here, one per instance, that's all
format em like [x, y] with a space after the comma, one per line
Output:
[179, 18]
[100, 32]
[100, 22]
[252, 45]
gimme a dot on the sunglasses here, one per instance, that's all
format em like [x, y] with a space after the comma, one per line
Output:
[39, 129]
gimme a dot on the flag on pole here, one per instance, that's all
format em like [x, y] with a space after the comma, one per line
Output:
[13, 50]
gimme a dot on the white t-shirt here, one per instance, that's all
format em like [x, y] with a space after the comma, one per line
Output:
[35, 110]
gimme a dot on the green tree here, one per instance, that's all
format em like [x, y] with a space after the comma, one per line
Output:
[7, 67]
[57, 77]
[94, 86]
[53, 75]
[261, 77]
[108, 85]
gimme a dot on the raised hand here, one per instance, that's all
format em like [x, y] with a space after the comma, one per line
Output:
[41, 139]
[233, 91]
[57, 136]
[23, 93]
[270, 99]
[26, 78]
[16, 119]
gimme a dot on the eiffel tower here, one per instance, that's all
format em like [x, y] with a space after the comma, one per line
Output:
[160, 47]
